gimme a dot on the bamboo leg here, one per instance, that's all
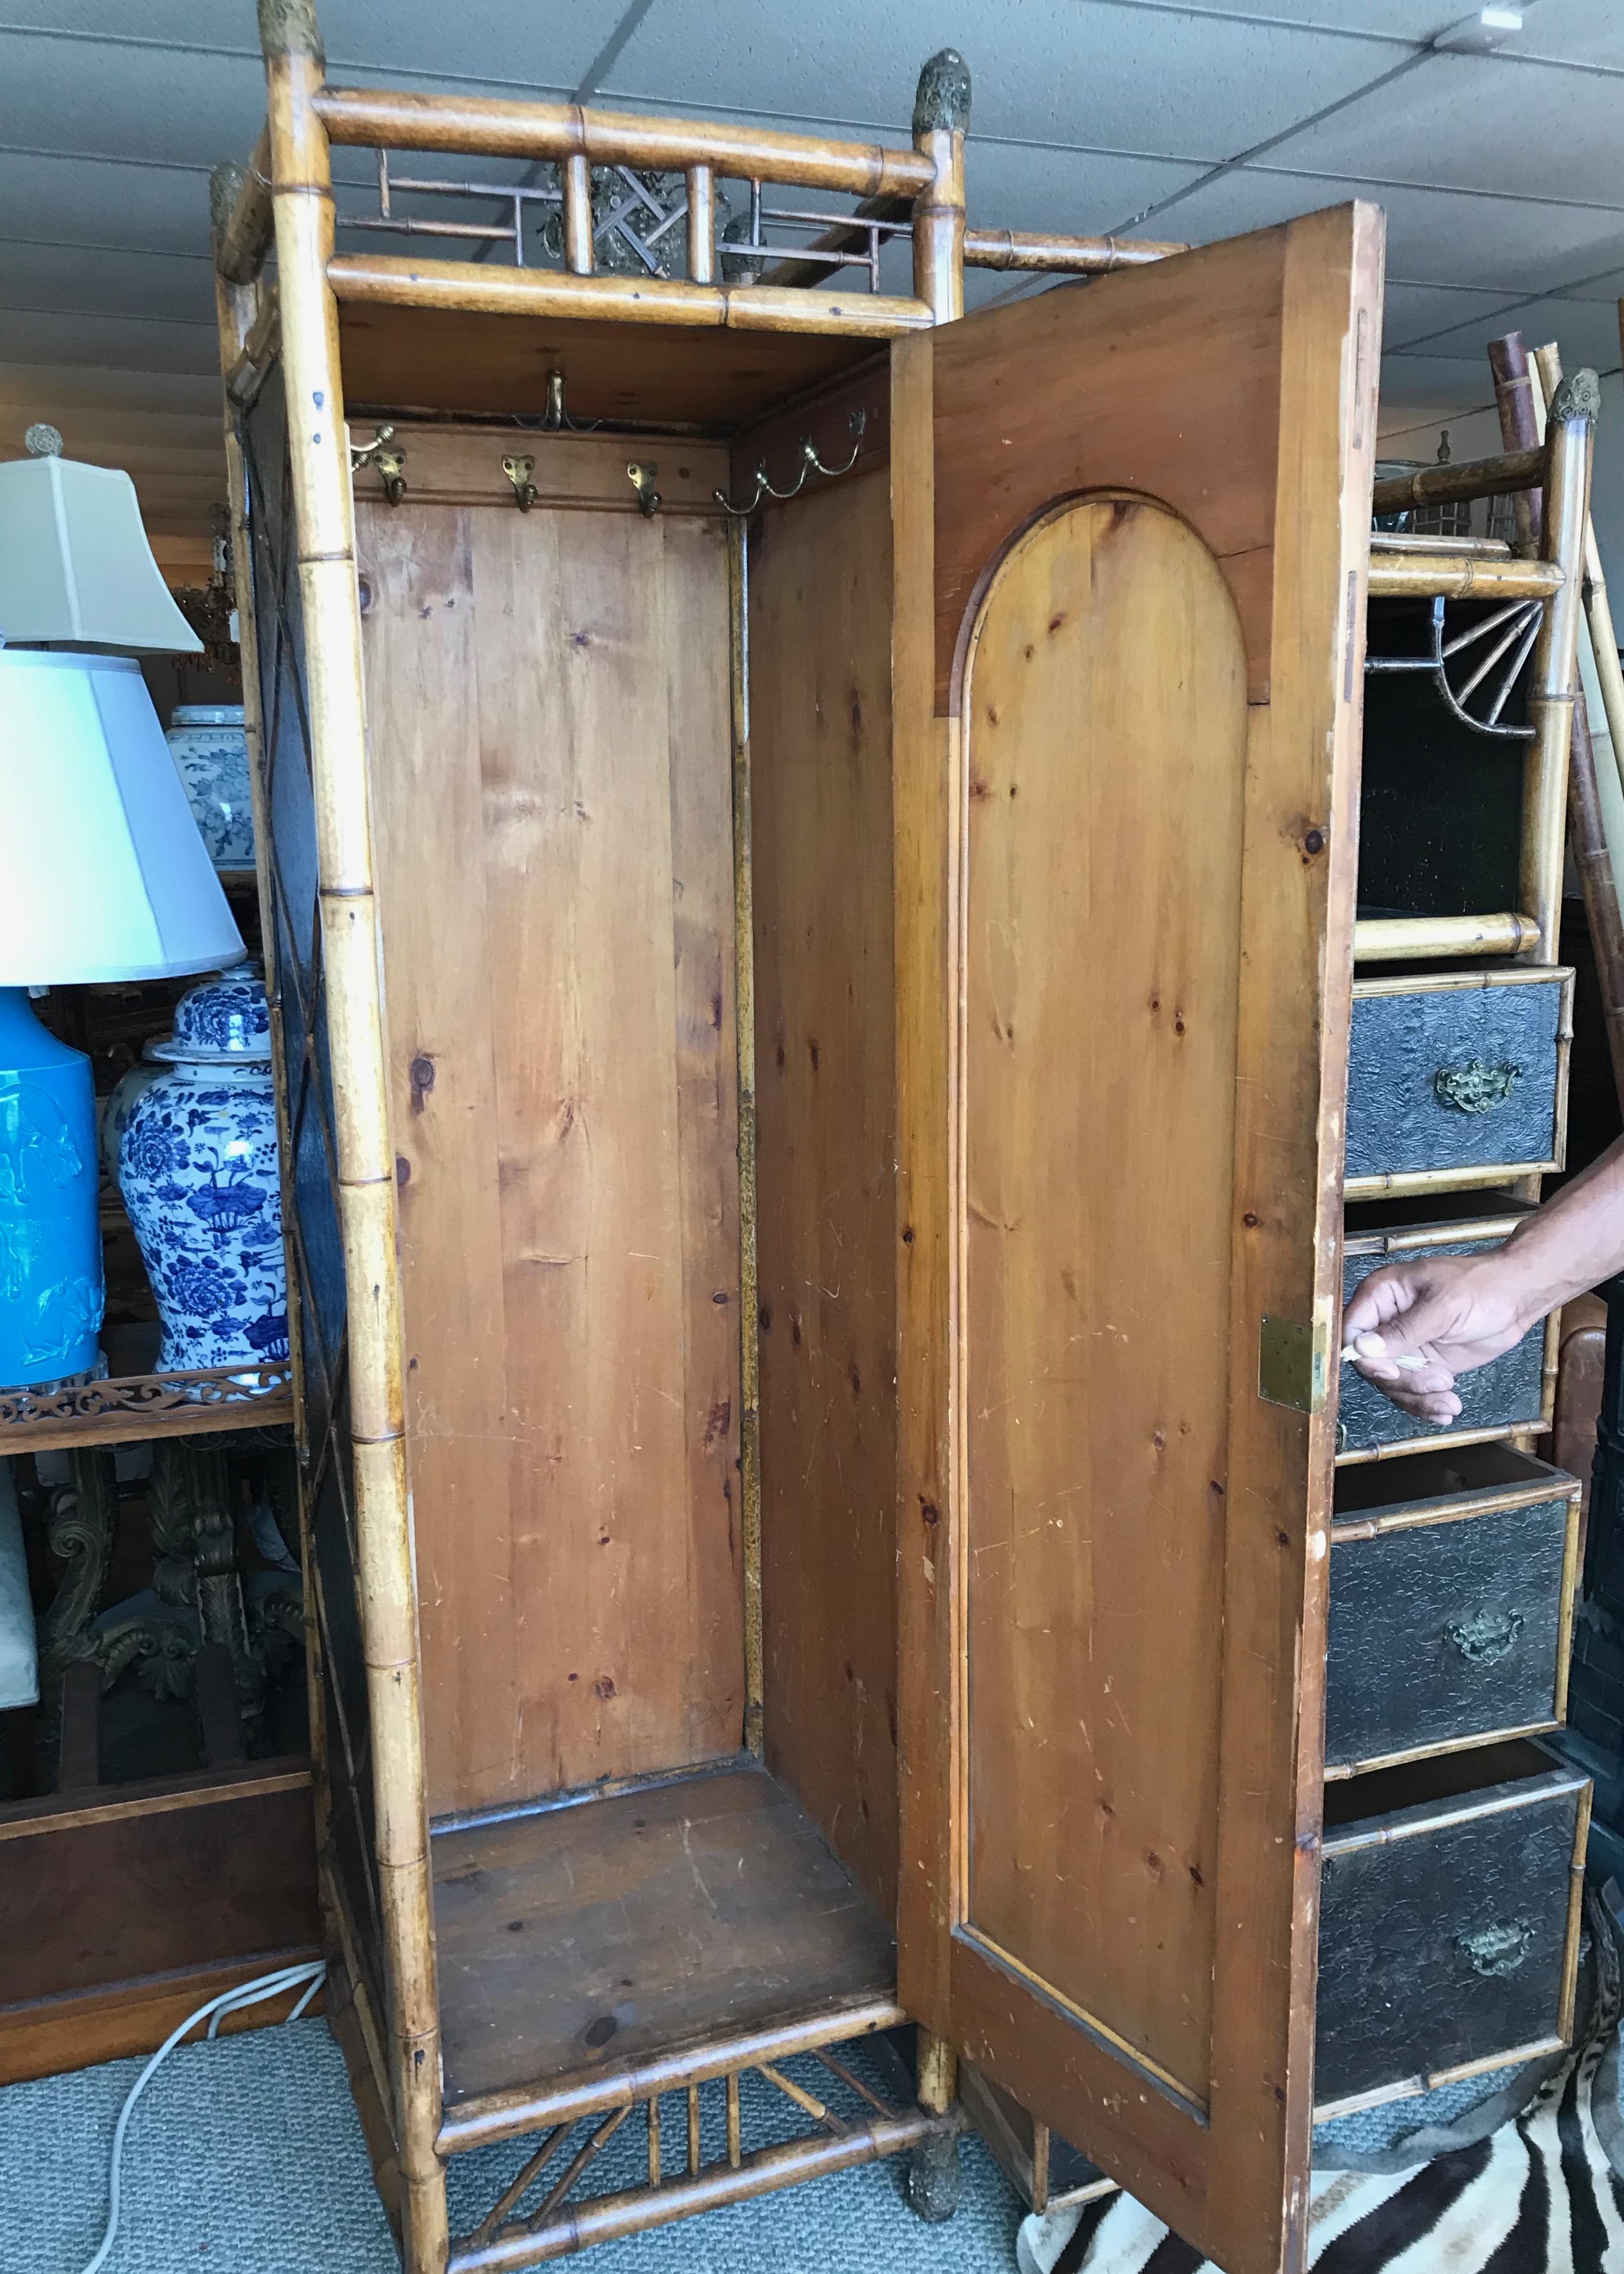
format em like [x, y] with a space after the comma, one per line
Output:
[941, 114]
[301, 196]
[934, 2180]
[937, 2074]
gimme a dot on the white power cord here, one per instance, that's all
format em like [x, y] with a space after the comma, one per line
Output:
[310, 1976]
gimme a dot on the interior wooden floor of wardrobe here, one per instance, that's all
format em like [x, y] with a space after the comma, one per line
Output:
[598, 1934]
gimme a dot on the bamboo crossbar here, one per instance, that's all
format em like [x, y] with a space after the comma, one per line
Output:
[1462, 577]
[606, 2219]
[470, 288]
[1063, 256]
[1402, 940]
[1473, 478]
[385, 119]
[509, 2115]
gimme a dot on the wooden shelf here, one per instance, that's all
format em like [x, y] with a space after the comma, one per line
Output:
[124, 1907]
[134, 1407]
[583, 1942]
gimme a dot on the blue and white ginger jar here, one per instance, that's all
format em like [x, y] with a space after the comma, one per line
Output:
[210, 750]
[197, 1169]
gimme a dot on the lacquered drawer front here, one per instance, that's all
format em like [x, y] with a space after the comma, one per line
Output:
[1508, 1393]
[1449, 1925]
[1450, 1585]
[1455, 1073]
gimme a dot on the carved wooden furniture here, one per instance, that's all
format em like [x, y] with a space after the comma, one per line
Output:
[810, 846]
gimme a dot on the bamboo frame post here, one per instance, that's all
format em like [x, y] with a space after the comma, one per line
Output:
[238, 306]
[1592, 854]
[941, 115]
[1519, 430]
[701, 225]
[1598, 608]
[302, 201]
[577, 180]
[1552, 693]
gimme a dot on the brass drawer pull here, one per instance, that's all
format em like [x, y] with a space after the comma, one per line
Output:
[1486, 1637]
[1497, 1950]
[1477, 1086]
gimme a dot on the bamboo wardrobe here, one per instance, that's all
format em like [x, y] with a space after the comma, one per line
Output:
[811, 841]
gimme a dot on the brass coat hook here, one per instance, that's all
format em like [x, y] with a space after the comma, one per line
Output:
[810, 464]
[642, 479]
[380, 452]
[518, 472]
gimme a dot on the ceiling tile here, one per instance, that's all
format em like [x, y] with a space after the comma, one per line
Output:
[1587, 331]
[489, 42]
[78, 279]
[1579, 31]
[163, 208]
[127, 102]
[1440, 236]
[122, 342]
[1099, 75]
[1455, 384]
[97, 389]
[1471, 122]
[1413, 312]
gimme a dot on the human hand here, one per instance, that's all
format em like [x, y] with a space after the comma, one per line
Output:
[1410, 1327]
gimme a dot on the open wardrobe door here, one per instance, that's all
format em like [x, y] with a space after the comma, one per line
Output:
[1132, 530]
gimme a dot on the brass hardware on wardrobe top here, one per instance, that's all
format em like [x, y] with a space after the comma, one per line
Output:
[380, 452]
[810, 464]
[556, 420]
[642, 479]
[518, 472]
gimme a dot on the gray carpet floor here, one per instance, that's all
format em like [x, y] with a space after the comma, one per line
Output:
[245, 2157]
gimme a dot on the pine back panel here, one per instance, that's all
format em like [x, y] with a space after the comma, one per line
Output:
[826, 1080]
[548, 723]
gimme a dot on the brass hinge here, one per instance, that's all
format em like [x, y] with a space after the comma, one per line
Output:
[1294, 1364]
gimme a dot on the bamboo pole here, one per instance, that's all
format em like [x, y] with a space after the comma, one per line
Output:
[1462, 577]
[1402, 940]
[1063, 256]
[238, 312]
[384, 118]
[577, 182]
[243, 229]
[1597, 608]
[1592, 854]
[472, 287]
[1520, 430]
[1473, 478]
[701, 225]
[302, 196]
[1554, 687]
[612, 2218]
[941, 115]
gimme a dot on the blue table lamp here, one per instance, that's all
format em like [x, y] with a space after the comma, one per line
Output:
[104, 875]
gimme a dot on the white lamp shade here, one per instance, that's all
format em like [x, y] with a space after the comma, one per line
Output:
[103, 874]
[75, 563]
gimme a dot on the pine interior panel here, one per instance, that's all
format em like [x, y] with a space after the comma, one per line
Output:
[549, 742]
[1106, 734]
[598, 1934]
[431, 359]
[820, 750]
